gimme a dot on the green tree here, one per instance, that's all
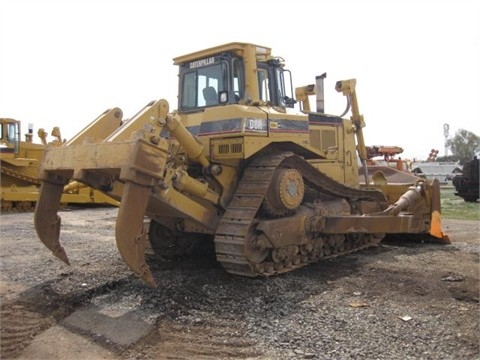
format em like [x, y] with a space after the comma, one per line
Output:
[449, 158]
[464, 145]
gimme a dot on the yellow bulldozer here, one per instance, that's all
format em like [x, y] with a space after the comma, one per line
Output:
[20, 161]
[246, 165]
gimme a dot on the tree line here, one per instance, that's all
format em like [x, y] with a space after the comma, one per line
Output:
[463, 146]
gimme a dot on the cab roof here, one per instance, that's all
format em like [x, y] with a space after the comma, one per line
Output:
[261, 52]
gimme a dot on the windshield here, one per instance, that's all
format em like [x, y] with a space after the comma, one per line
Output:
[13, 133]
[201, 86]
[10, 135]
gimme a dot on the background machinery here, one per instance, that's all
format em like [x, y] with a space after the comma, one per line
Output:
[387, 153]
[20, 161]
[467, 184]
[238, 166]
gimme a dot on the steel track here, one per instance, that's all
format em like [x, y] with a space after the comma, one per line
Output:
[232, 234]
[17, 206]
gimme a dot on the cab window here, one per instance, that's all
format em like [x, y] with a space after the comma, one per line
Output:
[13, 134]
[238, 84]
[281, 87]
[263, 85]
[201, 86]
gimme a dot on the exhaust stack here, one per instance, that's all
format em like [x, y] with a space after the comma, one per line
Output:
[320, 93]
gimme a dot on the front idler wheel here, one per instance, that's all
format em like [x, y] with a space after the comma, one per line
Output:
[285, 193]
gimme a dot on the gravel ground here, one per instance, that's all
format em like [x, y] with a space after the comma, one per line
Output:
[399, 300]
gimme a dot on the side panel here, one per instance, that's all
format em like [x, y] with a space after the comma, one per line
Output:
[335, 137]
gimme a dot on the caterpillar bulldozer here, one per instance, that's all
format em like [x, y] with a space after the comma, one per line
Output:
[245, 164]
[20, 161]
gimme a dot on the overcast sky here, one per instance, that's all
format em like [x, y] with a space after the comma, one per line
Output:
[417, 63]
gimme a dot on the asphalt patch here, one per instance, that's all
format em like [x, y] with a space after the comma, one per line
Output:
[122, 330]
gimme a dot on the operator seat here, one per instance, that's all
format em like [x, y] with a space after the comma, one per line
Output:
[210, 96]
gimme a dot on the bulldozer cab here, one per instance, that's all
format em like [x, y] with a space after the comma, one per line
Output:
[227, 75]
[9, 136]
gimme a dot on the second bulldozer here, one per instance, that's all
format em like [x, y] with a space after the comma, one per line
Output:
[244, 163]
[20, 161]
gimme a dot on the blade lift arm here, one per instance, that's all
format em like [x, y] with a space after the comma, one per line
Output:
[347, 87]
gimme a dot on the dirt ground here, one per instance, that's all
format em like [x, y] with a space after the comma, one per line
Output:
[400, 300]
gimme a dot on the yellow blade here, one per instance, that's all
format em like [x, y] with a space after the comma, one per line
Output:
[435, 210]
